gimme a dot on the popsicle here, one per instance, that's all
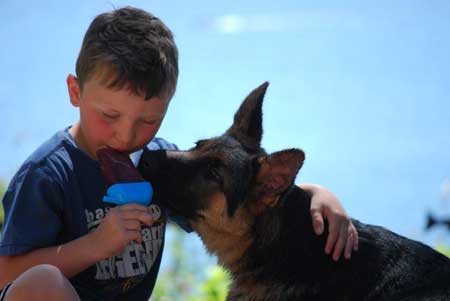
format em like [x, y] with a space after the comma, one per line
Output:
[125, 183]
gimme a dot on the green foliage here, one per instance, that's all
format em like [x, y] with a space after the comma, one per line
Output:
[215, 286]
[176, 281]
[187, 279]
[444, 250]
[176, 286]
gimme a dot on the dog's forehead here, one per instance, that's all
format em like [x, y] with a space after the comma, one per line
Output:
[221, 144]
[225, 147]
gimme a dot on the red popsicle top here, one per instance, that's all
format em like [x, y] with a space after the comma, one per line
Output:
[117, 167]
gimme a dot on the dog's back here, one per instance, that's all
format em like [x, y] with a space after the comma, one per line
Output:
[288, 255]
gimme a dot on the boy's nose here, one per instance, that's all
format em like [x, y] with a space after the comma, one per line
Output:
[125, 137]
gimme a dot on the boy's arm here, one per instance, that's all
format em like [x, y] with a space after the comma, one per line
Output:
[342, 233]
[71, 258]
[121, 226]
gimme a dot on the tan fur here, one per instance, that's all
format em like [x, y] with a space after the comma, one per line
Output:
[228, 237]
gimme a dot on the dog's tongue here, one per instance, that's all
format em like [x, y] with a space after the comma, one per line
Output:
[117, 167]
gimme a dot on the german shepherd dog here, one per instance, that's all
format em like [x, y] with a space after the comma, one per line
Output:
[243, 204]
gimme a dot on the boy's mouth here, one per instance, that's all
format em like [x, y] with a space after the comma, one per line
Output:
[120, 150]
[117, 166]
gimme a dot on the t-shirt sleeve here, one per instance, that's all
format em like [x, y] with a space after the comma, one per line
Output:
[33, 211]
[159, 143]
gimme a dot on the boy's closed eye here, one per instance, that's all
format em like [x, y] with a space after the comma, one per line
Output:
[110, 115]
[149, 121]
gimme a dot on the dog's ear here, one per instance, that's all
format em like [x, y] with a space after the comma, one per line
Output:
[247, 125]
[276, 173]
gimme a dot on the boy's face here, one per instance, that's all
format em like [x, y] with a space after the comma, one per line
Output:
[113, 118]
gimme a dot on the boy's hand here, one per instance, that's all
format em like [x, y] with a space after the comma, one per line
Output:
[120, 226]
[342, 233]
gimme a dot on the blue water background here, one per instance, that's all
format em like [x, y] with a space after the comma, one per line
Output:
[361, 87]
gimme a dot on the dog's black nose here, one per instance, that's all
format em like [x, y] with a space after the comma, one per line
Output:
[151, 162]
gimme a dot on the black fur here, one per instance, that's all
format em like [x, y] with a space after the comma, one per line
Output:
[285, 260]
[386, 267]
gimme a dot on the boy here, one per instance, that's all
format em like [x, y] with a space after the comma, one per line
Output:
[60, 241]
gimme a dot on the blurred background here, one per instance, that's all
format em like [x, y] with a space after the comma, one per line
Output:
[361, 87]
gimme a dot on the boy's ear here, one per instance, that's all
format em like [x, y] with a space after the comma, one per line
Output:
[276, 173]
[74, 90]
[247, 125]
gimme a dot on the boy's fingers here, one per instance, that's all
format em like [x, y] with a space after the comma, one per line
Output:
[317, 221]
[142, 216]
[355, 237]
[133, 206]
[133, 235]
[349, 246]
[132, 225]
[332, 236]
[339, 246]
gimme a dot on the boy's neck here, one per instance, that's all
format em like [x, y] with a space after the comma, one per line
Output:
[78, 137]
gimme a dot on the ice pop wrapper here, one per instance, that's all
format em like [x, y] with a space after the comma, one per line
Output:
[125, 183]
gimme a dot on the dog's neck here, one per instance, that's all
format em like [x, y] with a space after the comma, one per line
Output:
[228, 245]
[270, 229]
[246, 246]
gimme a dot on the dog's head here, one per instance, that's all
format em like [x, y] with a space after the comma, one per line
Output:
[226, 176]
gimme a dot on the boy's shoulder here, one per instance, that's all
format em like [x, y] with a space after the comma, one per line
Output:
[159, 143]
[52, 148]
[50, 155]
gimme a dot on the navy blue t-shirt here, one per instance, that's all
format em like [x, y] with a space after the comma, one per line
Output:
[55, 197]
